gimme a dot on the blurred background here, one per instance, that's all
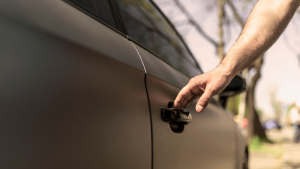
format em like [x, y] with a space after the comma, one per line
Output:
[263, 111]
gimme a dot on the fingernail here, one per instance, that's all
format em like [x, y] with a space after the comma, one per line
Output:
[199, 108]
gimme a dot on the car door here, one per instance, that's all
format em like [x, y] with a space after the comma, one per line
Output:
[72, 88]
[209, 140]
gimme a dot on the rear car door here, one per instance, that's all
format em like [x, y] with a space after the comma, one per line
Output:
[72, 91]
[208, 141]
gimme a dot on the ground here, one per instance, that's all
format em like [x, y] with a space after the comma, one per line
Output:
[282, 154]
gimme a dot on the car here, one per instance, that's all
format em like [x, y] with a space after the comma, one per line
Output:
[90, 84]
[271, 124]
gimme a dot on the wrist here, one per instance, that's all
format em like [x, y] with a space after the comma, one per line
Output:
[227, 69]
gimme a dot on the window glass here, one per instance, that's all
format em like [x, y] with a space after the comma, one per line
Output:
[146, 25]
[97, 8]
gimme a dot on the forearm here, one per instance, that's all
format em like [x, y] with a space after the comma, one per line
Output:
[265, 24]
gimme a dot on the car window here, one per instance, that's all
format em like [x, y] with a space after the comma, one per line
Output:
[98, 8]
[146, 25]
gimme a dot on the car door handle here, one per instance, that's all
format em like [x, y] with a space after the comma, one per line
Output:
[170, 115]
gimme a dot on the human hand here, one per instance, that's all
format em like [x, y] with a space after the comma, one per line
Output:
[204, 86]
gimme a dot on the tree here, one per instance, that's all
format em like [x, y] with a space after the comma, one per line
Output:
[254, 125]
[219, 45]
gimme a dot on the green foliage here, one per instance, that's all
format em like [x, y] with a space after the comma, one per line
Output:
[255, 143]
[264, 146]
[259, 112]
[233, 104]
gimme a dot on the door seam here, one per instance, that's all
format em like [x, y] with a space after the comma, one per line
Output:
[139, 56]
[145, 82]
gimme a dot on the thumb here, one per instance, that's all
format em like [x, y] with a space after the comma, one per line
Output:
[204, 100]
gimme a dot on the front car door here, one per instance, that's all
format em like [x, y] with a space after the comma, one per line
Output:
[209, 140]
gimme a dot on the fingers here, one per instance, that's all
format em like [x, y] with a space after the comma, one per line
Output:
[185, 95]
[196, 96]
[185, 92]
[204, 100]
[205, 85]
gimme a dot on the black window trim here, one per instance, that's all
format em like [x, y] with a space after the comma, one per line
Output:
[115, 13]
[121, 19]
[117, 16]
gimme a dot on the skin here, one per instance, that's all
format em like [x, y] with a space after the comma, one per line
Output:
[265, 24]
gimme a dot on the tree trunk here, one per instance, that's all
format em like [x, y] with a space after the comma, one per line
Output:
[254, 126]
[242, 102]
[221, 33]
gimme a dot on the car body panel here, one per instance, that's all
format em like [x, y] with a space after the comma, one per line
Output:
[161, 70]
[72, 91]
[63, 20]
[242, 145]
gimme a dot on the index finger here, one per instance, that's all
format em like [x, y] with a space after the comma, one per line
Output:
[184, 92]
